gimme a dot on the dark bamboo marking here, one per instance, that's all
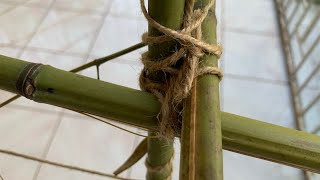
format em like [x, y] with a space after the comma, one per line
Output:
[24, 84]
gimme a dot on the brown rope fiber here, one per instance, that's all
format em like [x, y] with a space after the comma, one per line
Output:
[180, 78]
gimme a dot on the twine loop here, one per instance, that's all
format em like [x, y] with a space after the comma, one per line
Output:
[180, 68]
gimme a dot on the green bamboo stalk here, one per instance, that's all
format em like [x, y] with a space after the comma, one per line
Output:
[201, 133]
[159, 159]
[10, 69]
[102, 60]
[208, 137]
[160, 151]
[56, 85]
[96, 62]
[186, 153]
[132, 107]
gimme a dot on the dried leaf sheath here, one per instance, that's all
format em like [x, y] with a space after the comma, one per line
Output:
[138, 153]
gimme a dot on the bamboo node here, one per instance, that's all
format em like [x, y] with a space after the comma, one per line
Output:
[160, 168]
[181, 68]
[24, 84]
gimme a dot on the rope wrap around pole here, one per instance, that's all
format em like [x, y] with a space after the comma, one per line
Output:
[180, 67]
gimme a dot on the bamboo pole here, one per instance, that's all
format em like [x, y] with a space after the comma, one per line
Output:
[201, 150]
[160, 154]
[10, 69]
[98, 62]
[160, 151]
[132, 107]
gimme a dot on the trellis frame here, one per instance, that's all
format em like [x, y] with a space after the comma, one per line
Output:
[139, 109]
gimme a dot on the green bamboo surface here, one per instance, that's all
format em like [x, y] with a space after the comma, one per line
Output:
[137, 108]
[202, 141]
[160, 154]
[96, 62]
[170, 14]
[9, 72]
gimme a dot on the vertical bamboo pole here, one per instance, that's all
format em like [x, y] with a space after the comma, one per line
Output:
[160, 154]
[201, 153]
[169, 13]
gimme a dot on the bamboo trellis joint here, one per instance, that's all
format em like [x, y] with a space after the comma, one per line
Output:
[204, 129]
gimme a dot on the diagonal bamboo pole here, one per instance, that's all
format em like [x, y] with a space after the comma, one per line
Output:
[161, 151]
[98, 62]
[201, 149]
[240, 134]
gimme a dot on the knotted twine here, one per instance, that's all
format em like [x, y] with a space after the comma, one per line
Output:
[179, 78]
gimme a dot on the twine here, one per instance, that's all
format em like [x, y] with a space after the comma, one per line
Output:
[179, 80]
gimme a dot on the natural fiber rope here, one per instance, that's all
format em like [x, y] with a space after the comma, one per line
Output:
[179, 80]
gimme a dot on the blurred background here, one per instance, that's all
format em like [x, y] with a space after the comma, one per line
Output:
[262, 81]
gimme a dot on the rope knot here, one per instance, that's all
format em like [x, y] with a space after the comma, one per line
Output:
[180, 68]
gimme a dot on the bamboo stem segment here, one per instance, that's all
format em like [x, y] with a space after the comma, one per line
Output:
[201, 130]
[160, 151]
[10, 70]
[98, 62]
[240, 134]
[160, 157]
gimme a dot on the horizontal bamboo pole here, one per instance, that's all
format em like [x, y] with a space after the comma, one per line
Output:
[133, 107]
[76, 92]
[9, 72]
